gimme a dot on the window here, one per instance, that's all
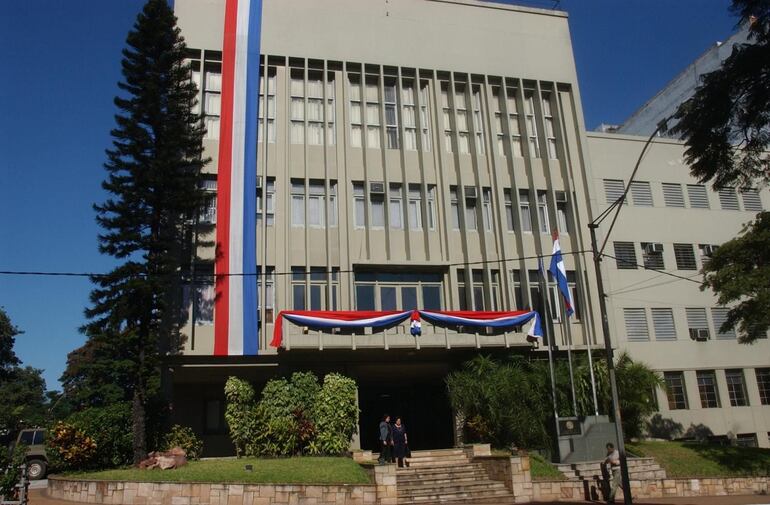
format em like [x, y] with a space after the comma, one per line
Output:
[746, 440]
[205, 293]
[508, 209]
[372, 111]
[317, 207]
[751, 200]
[728, 199]
[507, 103]
[685, 257]
[697, 323]
[652, 254]
[212, 98]
[673, 195]
[641, 193]
[39, 438]
[297, 202]
[461, 119]
[550, 133]
[314, 290]
[316, 122]
[636, 325]
[487, 209]
[518, 293]
[377, 203]
[391, 115]
[471, 290]
[297, 107]
[356, 114]
[269, 201]
[707, 388]
[409, 115]
[763, 384]
[208, 213]
[542, 211]
[359, 205]
[663, 322]
[267, 110]
[478, 123]
[675, 390]
[524, 209]
[529, 109]
[455, 207]
[415, 207]
[719, 317]
[736, 388]
[396, 204]
[706, 251]
[613, 190]
[447, 117]
[424, 116]
[625, 255]
[432, 206]
[562, 211]
[394, 291]
[269, 295]
[572, 285]
[698, 196]
[471, 208]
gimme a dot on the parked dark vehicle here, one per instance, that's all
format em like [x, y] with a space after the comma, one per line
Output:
[37, 461]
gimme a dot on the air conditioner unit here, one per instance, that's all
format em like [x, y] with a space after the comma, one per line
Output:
[259, 182]
[709, 249]
[561, 196]
[653, 248]
[699, 334]
[377, 188]
[470, 192]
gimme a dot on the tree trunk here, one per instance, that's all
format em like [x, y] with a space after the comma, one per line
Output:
[138, 424]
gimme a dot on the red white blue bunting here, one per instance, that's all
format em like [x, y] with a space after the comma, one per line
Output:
[319, 319]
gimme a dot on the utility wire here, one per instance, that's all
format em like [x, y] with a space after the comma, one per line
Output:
[660, 271]
[257, 274]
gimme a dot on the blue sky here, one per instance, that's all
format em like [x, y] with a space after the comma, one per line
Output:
[62, 63]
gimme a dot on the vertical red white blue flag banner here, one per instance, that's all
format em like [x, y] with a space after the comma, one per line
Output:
[236, 330]
[559, 273]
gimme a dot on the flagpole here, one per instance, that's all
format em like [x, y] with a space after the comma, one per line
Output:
[591, 370]
[569, 352]
[548, 331]
[565, 323]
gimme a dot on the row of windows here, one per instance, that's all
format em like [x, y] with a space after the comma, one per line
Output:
[664, 327]
[708, 390]
[653, 255]
[400, 107]
[673, 195]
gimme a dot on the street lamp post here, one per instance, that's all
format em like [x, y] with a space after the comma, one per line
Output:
[597, 254]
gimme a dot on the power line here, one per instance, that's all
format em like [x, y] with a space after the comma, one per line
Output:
[660, 271]
[33, 273]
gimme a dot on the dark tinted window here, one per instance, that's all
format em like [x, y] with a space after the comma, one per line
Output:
[39, 437]
[26, 437]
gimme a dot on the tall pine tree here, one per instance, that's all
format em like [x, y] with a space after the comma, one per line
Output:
[154, 169]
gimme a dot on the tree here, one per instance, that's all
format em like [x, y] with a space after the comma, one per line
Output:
[8, 358]
[153, 176]
[726, 128]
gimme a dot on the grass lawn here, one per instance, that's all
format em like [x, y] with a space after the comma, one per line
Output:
[539, 467]
[305, 470]
[703, 460]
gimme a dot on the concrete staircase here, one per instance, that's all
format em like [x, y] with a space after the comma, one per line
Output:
[447, 476]
[638, 469]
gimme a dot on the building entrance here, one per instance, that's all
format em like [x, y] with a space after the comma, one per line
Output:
[424, 410]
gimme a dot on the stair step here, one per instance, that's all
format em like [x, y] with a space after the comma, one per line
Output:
[434, 469]
[450, 487]
[429, 477]
[438, 452]
[496, 500]
[454, 496]
[438, 482]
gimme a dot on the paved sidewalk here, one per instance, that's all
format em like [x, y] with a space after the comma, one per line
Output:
[37, 497]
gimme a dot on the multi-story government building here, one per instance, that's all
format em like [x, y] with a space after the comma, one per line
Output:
[419, 153]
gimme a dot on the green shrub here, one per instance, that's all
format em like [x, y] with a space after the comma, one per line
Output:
[336, 415]
[69, 448]
[111, 429]
[10, 464]
[240, 413]
[184, 437]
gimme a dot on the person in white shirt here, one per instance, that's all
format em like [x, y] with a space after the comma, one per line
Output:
[613, 460]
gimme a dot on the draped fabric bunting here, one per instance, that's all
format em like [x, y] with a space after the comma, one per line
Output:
[235, 314]
[320, 319]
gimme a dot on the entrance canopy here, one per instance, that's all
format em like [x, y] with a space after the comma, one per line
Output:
[354, 319]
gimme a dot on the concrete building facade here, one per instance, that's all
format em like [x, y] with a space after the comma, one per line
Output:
[419, 154]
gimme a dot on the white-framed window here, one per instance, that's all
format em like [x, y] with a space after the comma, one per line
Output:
[359, 205]
[471, 208]
[204, 293]
[409, 114]
[297, 202]
[317, 106]
[525, 210]
[391, 114]
[728, 198]
[314, 290]
[398, 290]
[636, 324]
[356, 112]
[461, 119]
[478, 122]
[377, 206]
[447, 117]
[268, 193]
[319, 210]
[268, 298]
[562, 211]
[396, 206]
[613, 190]
[372, 91]
[425, 115]
[698, 196]
[663, 323]
[431, 206]
[508, 209]
[486, 194]
[267, 106]
[719, 317]
[507, 100]
[415, 207]
[455, 203]
[550, 130]
[641, 193]
[208, 213]
[514, 126]
[470, 290]
[673, 194]
[297, 107]
[685, 257]
[542, 211]
[529, 111]
[212, 98]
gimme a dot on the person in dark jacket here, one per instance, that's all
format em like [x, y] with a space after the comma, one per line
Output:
[400, 443]
[386, 440]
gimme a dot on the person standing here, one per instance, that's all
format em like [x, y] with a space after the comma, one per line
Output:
[400, 443]
[386, 440]
[613, 460]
